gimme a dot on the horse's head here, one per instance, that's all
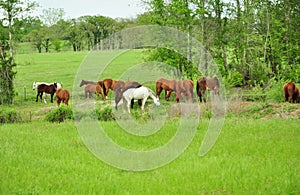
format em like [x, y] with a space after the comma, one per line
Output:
[82, 83]
[55, 86]
[34, 85]
[118, 96]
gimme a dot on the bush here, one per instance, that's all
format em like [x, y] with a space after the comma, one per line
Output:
[10, 116]
[60, 114]
[105, 114]
[274, 91]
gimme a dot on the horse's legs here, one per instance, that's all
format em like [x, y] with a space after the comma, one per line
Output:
[37, 97]
[41, 95]
[128, 105]
[143, 104]
[131, 103]
[52, 97]
[168, 94]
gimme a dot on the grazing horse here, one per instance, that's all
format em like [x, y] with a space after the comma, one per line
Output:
[291, 93]
[167, 85]
[138, 93]
[50, 89]
[207, 83]
[120, 87]
[93, 89]
[183, 89]
[84, 82]
[107, 84]
[62, 95]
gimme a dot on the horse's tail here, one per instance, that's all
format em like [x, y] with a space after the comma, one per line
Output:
[101, 83]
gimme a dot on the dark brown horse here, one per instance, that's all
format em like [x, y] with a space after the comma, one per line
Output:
[43, 88]
[291, 93]
[62, 95]
[167, 85]
[84, 82]
[184, 89]
[120, 87]
[207, 83]
[91, 89]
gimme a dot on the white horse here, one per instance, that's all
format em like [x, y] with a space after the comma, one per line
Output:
[138, 93]
[36, 84]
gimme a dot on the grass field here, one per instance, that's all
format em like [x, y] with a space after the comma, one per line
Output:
[251, 156]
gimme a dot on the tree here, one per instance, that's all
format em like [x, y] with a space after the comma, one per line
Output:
[11, 10]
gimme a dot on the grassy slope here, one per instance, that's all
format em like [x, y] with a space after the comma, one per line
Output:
[251, 156]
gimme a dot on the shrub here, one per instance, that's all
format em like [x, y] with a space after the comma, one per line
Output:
[10, 116]
[60, 114]
[105, 114]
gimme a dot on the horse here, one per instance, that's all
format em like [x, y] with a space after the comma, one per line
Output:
[36, 84]
[138, 93]
[93, 89]
[50, 89]
[62, 95]
[107, 84]
[183, 89]
[291, 92]
[121, 86]
[205, 83]
[84, 82]
[167, 85]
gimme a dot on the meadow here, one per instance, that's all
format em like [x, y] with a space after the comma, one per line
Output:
[253, 155]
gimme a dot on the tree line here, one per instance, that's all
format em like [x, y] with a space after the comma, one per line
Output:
[253, 42]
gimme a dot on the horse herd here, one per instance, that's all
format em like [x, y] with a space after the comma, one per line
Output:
[130, 90]
[127, 92]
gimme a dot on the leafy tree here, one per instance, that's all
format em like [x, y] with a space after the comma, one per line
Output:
[11, 10]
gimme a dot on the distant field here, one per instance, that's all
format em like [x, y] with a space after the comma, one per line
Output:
[257, 152]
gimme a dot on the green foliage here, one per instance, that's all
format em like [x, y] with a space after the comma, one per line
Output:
[9, 116]
[105, 114]
[234, 79]
[60, 114]
[274, 91]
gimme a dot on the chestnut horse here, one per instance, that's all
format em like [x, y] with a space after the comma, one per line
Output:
[207, 83]
[291, 93]
[183, 89]
[93, 89]
[167, 85]
[120, 87]
[50, 89]
[62, 95]
[107, 84]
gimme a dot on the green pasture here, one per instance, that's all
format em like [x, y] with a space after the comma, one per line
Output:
[251, 156]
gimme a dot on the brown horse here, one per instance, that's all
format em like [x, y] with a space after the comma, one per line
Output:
[50, 89]
[291, 92]
[107, 84]
[93, 89]
[183, 89]
[167, 85]
[62, 95]
[120, 87]
[84, 82]
[207, 83]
